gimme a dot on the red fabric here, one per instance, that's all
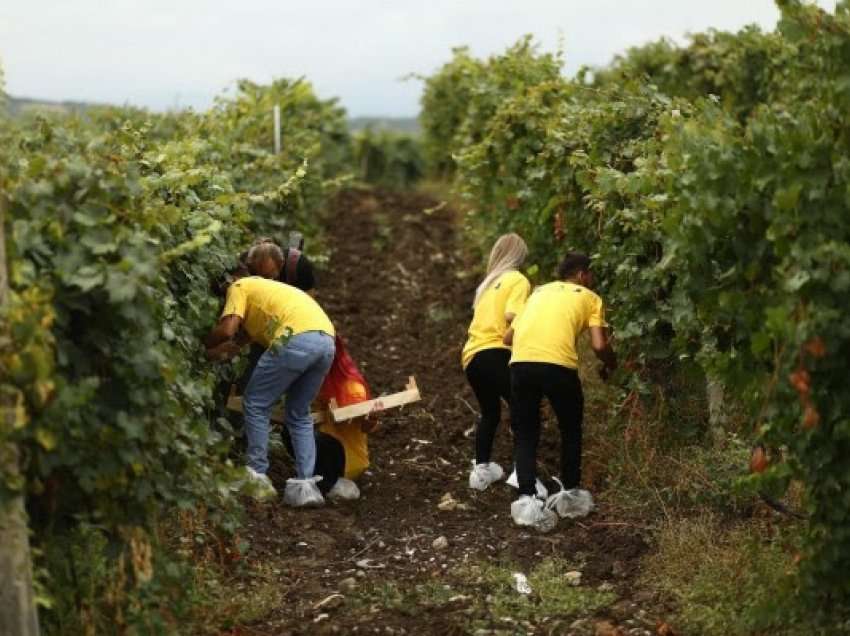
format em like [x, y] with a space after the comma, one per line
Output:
[342, 377]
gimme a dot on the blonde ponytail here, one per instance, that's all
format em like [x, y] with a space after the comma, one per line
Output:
[508, 254]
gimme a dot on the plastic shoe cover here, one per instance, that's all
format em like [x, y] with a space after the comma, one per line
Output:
[258, 485]
[344, 489]
[531, 511]
[572, 503]
[483, 475]
[541, 489]
[303, 492]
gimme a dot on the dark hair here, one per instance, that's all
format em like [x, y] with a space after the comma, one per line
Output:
[260, 251]
[303, 277]
[572, 264]
[219, 285]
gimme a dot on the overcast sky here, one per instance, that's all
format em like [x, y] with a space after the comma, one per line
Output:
[166, 53]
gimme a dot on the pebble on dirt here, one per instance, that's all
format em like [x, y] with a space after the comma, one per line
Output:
[573, 578]
[440, 543]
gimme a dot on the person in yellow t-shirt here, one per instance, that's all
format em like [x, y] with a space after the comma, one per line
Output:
[342, 451]
[544, 363]
[299, 341]
[499, 297]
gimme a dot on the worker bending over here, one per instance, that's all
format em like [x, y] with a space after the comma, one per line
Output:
[498, 299]
[544, 363]
[298, 338]
[342, 450]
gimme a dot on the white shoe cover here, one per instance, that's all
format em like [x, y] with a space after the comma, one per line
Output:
[303, 492]
[258, 485]
[344, 489]
[572, 503]
[514, 483]
[531, 511]
[483, 475]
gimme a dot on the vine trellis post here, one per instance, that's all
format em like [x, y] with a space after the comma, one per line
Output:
[18, 615]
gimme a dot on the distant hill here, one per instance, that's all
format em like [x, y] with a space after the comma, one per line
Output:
[409, 125]
[20, 105]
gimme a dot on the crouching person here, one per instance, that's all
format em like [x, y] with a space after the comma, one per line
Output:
[544, 363]
[298, 338]
[342, 448]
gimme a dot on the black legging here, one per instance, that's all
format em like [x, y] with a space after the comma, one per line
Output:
[490, 378]
[330, 458]
[530, 383]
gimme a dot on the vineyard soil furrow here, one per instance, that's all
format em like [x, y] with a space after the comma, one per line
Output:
[398, 287]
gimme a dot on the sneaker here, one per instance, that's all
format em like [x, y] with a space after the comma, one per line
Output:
[344, 489]
[572, 503]
[531, 511]
[541, 489]
[483, 475]
[258, 485]
[300, 493]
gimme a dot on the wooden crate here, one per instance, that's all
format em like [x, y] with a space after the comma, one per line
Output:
[342, 413]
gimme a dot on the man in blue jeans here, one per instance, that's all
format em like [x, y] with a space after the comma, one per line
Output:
[299, 341]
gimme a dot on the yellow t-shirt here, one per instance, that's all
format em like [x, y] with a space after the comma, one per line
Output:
[488, 327]
[270, 309]
[351, 436]
[552, 319]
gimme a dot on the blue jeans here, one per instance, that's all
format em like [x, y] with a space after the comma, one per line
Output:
[296, 369]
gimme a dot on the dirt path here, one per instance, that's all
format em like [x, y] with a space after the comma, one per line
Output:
[396, 290]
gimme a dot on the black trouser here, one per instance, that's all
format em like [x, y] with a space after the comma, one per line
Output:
[530, 383]
[490, 378]
[330, 458]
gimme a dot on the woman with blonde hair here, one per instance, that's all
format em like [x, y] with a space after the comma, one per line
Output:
[498, 299]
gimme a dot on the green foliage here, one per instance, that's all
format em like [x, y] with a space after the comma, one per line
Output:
[717, 224]
[117, 226]
[388, 159]
[758, 240]
[2, 92]
[741, 69]
[461, 97]
[139, 590]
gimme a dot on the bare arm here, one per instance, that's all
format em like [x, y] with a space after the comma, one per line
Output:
[225, 330]
[508, 340]
[224, 351]
[601, 346]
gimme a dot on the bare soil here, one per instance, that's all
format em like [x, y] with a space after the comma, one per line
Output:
[398, 287]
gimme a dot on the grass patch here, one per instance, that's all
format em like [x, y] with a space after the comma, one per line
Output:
[229, 602]
[383, 231]
[391, 596]
[483, 596]
[728, 580]
[552, 597]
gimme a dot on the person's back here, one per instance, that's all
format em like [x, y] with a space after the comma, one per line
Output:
[297, 339]
[498, 299]
[544, 364]
[271, 309]
[350, 433]
[553, 318]
[489, 324]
